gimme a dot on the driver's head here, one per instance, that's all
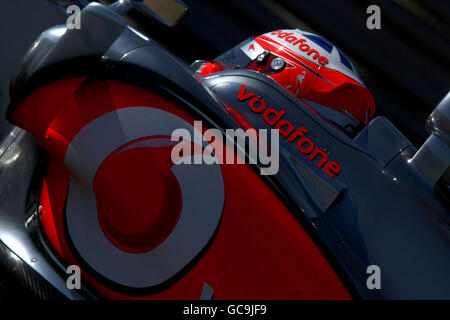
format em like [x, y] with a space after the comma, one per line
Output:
[310, 68]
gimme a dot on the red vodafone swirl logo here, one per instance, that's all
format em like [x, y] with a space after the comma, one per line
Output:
[132, 215]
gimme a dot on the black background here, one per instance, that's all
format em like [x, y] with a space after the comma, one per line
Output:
[405, 64]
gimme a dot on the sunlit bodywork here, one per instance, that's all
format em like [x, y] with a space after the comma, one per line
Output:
[88, 180]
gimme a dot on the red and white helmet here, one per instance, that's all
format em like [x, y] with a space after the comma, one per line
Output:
[308, 66]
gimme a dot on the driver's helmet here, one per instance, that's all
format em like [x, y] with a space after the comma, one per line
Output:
[310, 68]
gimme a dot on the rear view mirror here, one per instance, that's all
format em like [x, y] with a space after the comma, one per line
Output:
[167, 12]
[433, 158]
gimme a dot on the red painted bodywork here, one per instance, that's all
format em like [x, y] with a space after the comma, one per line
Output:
[260, 250]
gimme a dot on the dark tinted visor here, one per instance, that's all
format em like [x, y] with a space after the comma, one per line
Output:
[235, 58]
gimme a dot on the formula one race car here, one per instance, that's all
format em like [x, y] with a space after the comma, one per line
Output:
[88, 181]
